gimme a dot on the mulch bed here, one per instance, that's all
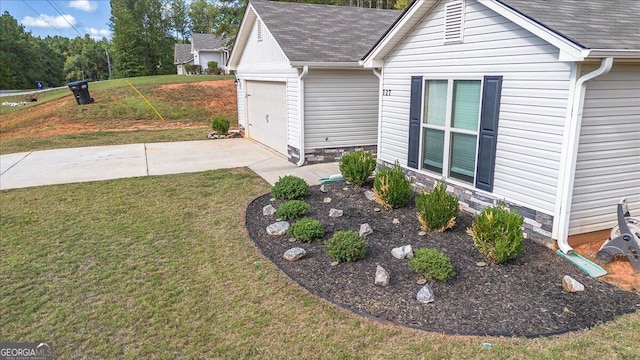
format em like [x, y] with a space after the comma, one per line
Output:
[521, 298]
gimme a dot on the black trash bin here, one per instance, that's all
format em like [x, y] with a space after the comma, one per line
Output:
[81, 92]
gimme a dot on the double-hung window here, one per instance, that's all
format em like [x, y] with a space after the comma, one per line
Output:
[453, 128]
[450, 127]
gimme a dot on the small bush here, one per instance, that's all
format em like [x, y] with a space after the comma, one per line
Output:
[212, 67]
[220, 125]
[356, 167]
[497, 233]
[438, 209]
[292, 209]
[306, 230]
[392, 188]
[187, 68]
[431, 264]
[290, 187]
[346, 246]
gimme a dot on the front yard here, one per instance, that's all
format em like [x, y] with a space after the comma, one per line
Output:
[162, 268]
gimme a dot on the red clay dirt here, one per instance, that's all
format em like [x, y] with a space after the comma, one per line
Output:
[63, 116]
[619, 271]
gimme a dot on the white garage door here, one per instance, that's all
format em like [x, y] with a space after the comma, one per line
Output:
[267, 114]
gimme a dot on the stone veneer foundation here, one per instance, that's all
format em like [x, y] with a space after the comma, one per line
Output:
[537, 225]
[326, 155]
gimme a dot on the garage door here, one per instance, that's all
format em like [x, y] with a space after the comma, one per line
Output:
[267, 114]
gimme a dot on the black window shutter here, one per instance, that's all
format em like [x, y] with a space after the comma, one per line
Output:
[415, 110]
[489, 115]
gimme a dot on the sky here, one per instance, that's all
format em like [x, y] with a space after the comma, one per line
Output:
[62, 18]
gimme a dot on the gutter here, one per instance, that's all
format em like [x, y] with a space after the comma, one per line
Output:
[328, 65]
[573, 141]
[301, 76]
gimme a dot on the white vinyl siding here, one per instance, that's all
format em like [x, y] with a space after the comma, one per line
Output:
[262, 54]
[608, 166]
[341, 108]
[206, 56]
[533, 106]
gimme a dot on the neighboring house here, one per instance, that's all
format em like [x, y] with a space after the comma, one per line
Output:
[203, 49]
[182, 56]
[301, 88]
[534, 103]
[206, 48]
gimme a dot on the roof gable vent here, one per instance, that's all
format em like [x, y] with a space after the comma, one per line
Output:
[259, 34]
[453, 22]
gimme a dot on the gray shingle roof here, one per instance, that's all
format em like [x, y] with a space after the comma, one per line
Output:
[205, 41]
[592, 24]
[182, 54]
[324, 33]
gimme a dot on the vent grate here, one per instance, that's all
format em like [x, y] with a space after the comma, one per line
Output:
[453, 21]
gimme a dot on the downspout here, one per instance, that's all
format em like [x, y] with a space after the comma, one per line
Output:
[572, 145]
[301, 76]
[378, 74]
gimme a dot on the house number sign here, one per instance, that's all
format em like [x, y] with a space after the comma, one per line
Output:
[386, 92]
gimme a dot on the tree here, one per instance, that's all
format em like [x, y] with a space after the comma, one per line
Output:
[141, 43]
[228, 18]
[203, 16]
[25, 59]
[180, 19]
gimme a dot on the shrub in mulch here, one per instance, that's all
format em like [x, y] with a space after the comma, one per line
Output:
[523, 297]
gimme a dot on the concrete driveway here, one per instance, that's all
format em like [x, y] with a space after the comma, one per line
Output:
[62, 166]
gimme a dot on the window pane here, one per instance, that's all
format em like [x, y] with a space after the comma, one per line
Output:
[433, 150]
[463, 157]
[466, 104]
[435, 104]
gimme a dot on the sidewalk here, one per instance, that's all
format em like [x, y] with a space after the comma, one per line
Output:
[62, 166]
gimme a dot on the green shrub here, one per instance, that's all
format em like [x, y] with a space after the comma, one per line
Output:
[497, 233]
[220, 125]
[346, 246]
[292, 209]
[438, 209]
[290, 187]
[391, 187]
[356, 167]
[431, 264]
[306, 230]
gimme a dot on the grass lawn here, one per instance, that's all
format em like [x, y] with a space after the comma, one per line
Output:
[161, 268]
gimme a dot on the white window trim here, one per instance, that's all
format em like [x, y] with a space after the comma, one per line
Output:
[447, 129]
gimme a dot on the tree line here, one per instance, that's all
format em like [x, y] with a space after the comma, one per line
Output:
[144, 33]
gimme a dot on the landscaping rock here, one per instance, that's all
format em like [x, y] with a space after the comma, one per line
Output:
[382, 276]
[334, 213]
[370, 195]
[278, 229]
[268, 210]
[571, 285]
[294, 254]
[323, 188]
[425, 295]
[365, 229]
[396, 221]
[377, 209]
[402, 252]
[326, 200]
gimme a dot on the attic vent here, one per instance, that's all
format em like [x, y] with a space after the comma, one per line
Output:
[259, 25]
[453, 21]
